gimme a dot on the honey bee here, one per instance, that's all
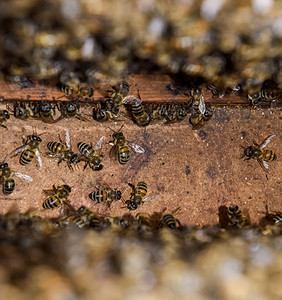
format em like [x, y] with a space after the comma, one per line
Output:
[119, 94]
[24, 111]
[91, 155]
[105, 112]
[115, 222]
[237, 219]
[199, 119]
[29, 150]
[7, 180]
[137, 197]
[168, 220]
[60, 195]
[176, 112]
[46, 111]
[260, 154]
[73, 219]
[144, 222]
[139, 113]
[120, 148]
[71, 109]
[105, 195]
[63, 151]
[4, 116]
[269, 92]
[75, 89]
[90, 218]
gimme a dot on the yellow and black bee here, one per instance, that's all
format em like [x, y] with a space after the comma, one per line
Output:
[120, 149]
[63, 151]
[24, 111]
[140, 115]
[45, 111]
[4, 116]
[198, 119]
[7, 180]
[137, 197]
[144, 222]
[168, 219]
[91, 155]
[260, 154]
[29, 150]
[119, 93]
[105, 195]
[60, 195]
[236, 218]
[70, 109]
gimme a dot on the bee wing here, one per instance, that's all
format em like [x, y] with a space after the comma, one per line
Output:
[128, 99]
[67, 138]
[48, 192]
[99, 144]
[267, 140]
[136, 148]
[264, 165]
[17, 151]
[147, 199]
[24, 176]
[202, 105]
[38, 158]
[113, 152]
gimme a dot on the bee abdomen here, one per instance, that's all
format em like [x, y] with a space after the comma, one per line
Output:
[8, 186]
[52, 202]
[55, 147]
[99, 196]
[123, 155]
[169, 221]
[26, 157]
[269, 155]
[85, 149]
[142, 188]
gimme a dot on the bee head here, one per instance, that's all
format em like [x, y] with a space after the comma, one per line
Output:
[3, 166]
[96, 167]
[81, 209]
[233, 208]
[71, 108]
[118, 195]
[45, 107]
[131, 205]
[6, 113]
[67, 187]
[249, 152]
[36, 138]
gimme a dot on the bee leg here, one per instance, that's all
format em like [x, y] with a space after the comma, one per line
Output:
[85, 165]
[2, 125]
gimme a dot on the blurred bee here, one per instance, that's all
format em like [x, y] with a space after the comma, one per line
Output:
[120, 148]
[4, 116]
[90, 218]
[60, 195]
[70, 109]
[119, 94]
[7, 180]
[199, 119]
[158, 112]
[260, 154]
[116, 222]
[91, 155]
[270, 92]
[63, 151]
[75, 89]
[168, 220]
[29, 150]
[139, 113]
[137, 197]
[236, 218]
[72, 219]
[105, 195]
[176, 112]
[144, 222]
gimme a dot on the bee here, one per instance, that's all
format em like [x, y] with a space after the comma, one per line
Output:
[119, 94]
[29, 150]
[105, 112]
[75, 89]
[197, 98]
[60, 195]
[7, 180]
[46, 111]
[168, 220]
[4, 116]
[91, 155]
[120, 148]
[24, 111]
[137, 197]
[158, 112]
[72, 219]
[236, 218]
[199, 119]
[176, 112]
[115, 222]
[63, 151]
[260, 154]
[70, 109]
[144, 222]
[139, 113]
[270, 92]
[105, 195]
[90, 218]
